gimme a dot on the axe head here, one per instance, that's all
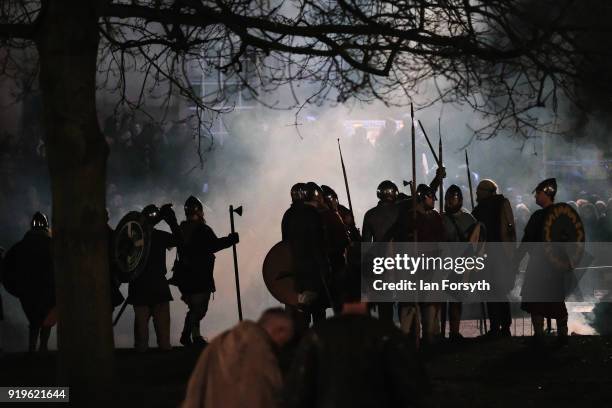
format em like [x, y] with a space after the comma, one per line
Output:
[238, 211]
[405, 183]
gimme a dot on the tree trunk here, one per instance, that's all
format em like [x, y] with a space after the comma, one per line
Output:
[77, 152]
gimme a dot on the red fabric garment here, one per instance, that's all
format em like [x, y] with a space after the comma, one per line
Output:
[430, 227]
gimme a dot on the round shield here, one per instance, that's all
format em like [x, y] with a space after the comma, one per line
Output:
[562, 224]
[278, 274]
[10, 274]
[131, 245]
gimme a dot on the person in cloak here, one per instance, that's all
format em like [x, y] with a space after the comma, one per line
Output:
[337, 239]
[149, 293]
[240, 367]
[305, 233]
[355, 360]
[458, 224]
[28, 275]
[377, 222]
[544, 279]
[194, 271]
[494, 211]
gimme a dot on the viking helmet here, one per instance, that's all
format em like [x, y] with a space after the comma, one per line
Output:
[487, 185]
[39, 221]
[152, 213]
[387, 191]
[298, 193]
[192, 206]
[423, 190]
[330, 196]
[313, 192]
[548, 187]
[453, 191]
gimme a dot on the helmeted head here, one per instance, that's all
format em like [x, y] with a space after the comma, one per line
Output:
[426, 196]
[602, 207]
[387, 191]
[152, 213]
[486, 188]
[39, 221]
[314, 193]
[298, 193]
[548, 187]
[193, 207]
[453, 199]
[330, 197]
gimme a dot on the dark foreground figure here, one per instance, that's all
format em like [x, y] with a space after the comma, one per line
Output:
[474, 374]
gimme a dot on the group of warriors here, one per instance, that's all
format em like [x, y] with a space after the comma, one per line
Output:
[325, 247]
[355, 358]
[27, 273]
[325, 250]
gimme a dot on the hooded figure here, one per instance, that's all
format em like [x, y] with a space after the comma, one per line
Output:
[494, 211]
[240, 368]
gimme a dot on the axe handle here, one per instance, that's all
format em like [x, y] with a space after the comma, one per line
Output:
[231, 210]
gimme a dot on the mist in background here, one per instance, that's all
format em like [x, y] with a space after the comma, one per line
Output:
[258, 154]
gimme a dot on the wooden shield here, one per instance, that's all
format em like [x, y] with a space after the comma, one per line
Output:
[278, 274]
[10, 276]
[562, 224]
[131, 245]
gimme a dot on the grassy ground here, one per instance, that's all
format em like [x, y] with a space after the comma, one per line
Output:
[502, 373]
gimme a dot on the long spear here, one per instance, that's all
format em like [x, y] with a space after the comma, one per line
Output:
[433, 152]
[348, 192]
[483, 308]
[413, 185]
[441, 198]
[469, 176]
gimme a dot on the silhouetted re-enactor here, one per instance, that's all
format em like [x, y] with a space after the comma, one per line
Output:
[495, 213]
[303, 228]
[193, 271]
[240, 368]
[458, 224]
[355, 360]
[544, 279]
[28, 275]
[150, 293]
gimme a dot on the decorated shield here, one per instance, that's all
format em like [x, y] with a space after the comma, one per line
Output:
[562, 224]
[130, 246]
[278, 274]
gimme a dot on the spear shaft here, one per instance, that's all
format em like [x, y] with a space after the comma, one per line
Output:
[348, 192]
[469, 176]
[441, 198]
[433, 152]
